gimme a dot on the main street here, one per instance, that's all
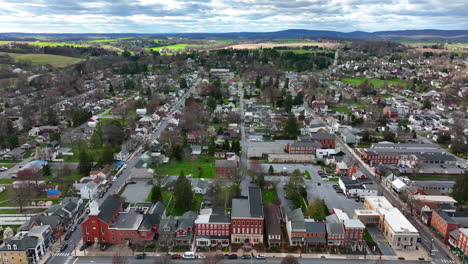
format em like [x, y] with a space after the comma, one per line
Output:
[151, 260]
[440, 252]
[131, 163]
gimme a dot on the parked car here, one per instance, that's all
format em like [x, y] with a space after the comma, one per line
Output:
[443, 166]
[246, 257]
[201, 256]
[68, 235]
[140, 256]
[261, 256]
[114, 179]
[189, 255]
[176, 256]
[232, 256]
[3, 168]
[80, 220]
[73, 229]
[339, 191]
[63, 247]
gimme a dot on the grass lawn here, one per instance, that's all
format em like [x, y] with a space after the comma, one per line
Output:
[375, 82]
[45, 59]
[341, 109]
[269, 196]
[170, 210]
[7, 180]
[25, 211]
[307, 174]
[174, 167]
[28, 154]
[4, 196]
[167, 197]
[10, 161]
[175, 47]
[333, 179]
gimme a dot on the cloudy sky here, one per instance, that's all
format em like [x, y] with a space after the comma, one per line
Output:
[170, 16]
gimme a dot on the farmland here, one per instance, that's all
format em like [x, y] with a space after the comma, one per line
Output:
[50, 44]
[304, 51]
[375, 82]
[107, 40]
[176, 47]
[45, 59]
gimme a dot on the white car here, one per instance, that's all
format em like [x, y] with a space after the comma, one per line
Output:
[189, 255]
[3, 168]
[201, 257]
[261, 256]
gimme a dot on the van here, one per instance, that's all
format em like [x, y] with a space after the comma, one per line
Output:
[188, 255]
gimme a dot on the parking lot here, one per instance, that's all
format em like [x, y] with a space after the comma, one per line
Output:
[137, 192]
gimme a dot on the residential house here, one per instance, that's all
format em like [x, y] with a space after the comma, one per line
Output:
[273, 223]
[335, 232]
[391, 112]
[327, 140]
[87, 191]
[316, 234]
[247, 218]
[295, 227]
[196, 137]
[122, 155]
[213, 228]
[462, 244]
[177, 230]
[21, 249]
[199, 186]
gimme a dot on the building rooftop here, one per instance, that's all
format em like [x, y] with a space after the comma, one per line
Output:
[251, 206]
[129, 220]
[109, 207]
[353, 223]
[435, 198]
[397, 221]
[315, 227]
[378, 202]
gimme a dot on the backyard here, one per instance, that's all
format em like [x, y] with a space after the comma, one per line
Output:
[375, 82]
[203, 167]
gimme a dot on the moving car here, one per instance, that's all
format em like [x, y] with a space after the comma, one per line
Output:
[261, 256]
[68, 235]
[232, 256]
[140, 256]
[246, 257]
[63, 247]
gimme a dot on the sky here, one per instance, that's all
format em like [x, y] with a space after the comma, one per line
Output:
[178, 16]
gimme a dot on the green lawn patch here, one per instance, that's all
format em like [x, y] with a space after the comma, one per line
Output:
[340, 109]
[176, 47]
[269, 196]
[375, 82]
[10, 161]
[307, 174]
[333, 179]
[28, 154]
[174, 167]
[45, 59]
[6, 181]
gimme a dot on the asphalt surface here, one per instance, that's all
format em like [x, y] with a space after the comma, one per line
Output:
[151, 260]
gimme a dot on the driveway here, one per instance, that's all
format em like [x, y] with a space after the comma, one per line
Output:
[380, 240]
[137, 192]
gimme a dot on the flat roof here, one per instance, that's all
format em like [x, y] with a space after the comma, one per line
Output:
[435, 198]
[361, 212]
[353, 223]
[378, 202]
[397, 221]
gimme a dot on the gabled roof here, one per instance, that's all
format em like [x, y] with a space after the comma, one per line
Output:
[109, 207]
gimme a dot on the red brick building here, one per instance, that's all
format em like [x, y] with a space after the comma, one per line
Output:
[327, 140]
[390, 112]
[247, 218]
[443, 224]
[354, 234]
[303, 147]
[462, 243]
[226, 168]
[213, 228]
[379, 157]
[115, 222]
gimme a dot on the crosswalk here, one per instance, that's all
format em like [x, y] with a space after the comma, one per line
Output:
[61, 254]
[443, 261]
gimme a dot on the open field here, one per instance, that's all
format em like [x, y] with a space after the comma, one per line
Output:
[45, 59]
[109, 47]
[175, 47]
[375, 82]
[46, 44]
[293, 45]
[207, 170]
[304, 51]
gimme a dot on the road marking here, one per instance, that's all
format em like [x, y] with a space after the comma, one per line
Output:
[68, 260]
[61, 254]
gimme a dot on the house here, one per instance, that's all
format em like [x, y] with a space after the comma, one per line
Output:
[177, 230]
[196, 137]
[391, 112]
[141, 111]
[199, 186]
[212, 228]
[316, 234]
[295, 227]
[226, 168]
[335, 232]
[103, 173]
[353, 188]
[354, 234]
[122, 155]
[118, 222]
[462, 244]
[69, 208]
[22, 248]
[273, 222]
[445, 222]
[196, 151]
[14, 154]
[87, 191]
[57, 223]
[247, 218]
[341, 168]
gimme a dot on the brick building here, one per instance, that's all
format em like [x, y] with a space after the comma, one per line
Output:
[462, 244]
[303, 147]
[247, 218]
[212, 228]
[443, 224]
[116, 222]
[327, 140]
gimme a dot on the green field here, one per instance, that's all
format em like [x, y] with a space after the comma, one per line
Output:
[109, 47]
[176, 47]
[51, 44]
[7, 83]
[208, 169]
[304, 51]
[45, 59]
[375, 82]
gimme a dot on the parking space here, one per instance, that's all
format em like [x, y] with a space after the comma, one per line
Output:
[137, 192]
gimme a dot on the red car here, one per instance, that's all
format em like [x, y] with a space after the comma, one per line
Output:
[176, 256]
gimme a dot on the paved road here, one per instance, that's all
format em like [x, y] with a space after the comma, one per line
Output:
[12, 171]
[151, 260]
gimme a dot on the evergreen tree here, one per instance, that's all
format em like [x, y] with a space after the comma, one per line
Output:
[226, 145]
[156, 194]
[85, 162]
[261, 181]
[288, 102]
[286, 84]
[183, 83]
[460, 189]
[107, 156]
[46, 170]
[271, 171]
[258, 82]
[212, 146]
[183, 194]
[291, 128]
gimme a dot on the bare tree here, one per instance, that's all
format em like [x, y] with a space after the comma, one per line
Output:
[290, 259]
[21, 196]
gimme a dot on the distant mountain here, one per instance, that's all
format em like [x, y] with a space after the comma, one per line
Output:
[424, 34]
